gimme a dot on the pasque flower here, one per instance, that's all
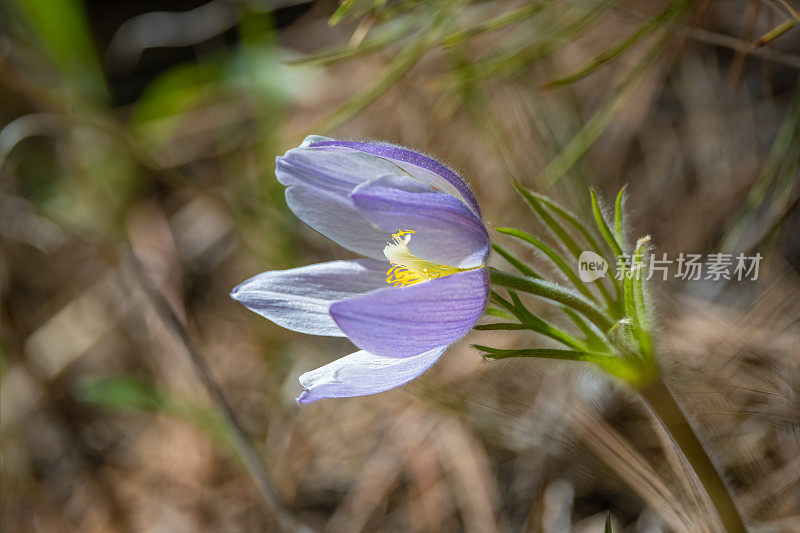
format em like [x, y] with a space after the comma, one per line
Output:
[422, 284]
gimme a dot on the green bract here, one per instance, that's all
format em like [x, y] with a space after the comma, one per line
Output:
[611, 314]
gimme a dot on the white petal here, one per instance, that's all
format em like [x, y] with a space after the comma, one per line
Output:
[298, 299]
[362, 373]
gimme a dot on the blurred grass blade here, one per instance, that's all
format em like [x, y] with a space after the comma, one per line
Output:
[406, 58]
[776, 177]
[599, 121]
[644, 30]
[494, 24]
[128, 394]
[390, 33]
[401, 64]
[775, 32]
[513, 60]
[608, 528]
[353, 9]
[396, 29]
[341, 11]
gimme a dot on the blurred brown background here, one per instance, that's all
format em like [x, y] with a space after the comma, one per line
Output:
[149, 130]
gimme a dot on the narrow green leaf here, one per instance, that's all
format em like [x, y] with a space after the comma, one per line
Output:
[515, 262]
[537, 324]
[608, 528]
[531, 322]
[499, 313]
[603, 226]
[642, 317]
[618, 215]
[501, 326]
[565, 214]
[551, 291]
[547, 353]
[553, 256]
[609, 363]
[593, 340]
[534, 201]
[537, 202]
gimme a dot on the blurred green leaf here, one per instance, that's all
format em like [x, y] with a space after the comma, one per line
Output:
[163, 103]
[129, 394]
[64, 32]
[120, 393]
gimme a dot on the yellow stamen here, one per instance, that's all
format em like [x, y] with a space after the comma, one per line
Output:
[407, 269]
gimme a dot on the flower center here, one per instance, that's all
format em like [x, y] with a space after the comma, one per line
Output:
[407, 269]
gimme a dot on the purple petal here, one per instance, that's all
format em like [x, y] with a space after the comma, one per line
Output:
[298, 299]
[363, 373]
[329, 170]
[446, 231]
[421, 167]
[400, 322]
[334, 216]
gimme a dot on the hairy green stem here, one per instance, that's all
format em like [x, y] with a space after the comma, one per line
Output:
[666, 409]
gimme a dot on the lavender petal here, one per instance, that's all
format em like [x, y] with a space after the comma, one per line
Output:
[401, 322]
